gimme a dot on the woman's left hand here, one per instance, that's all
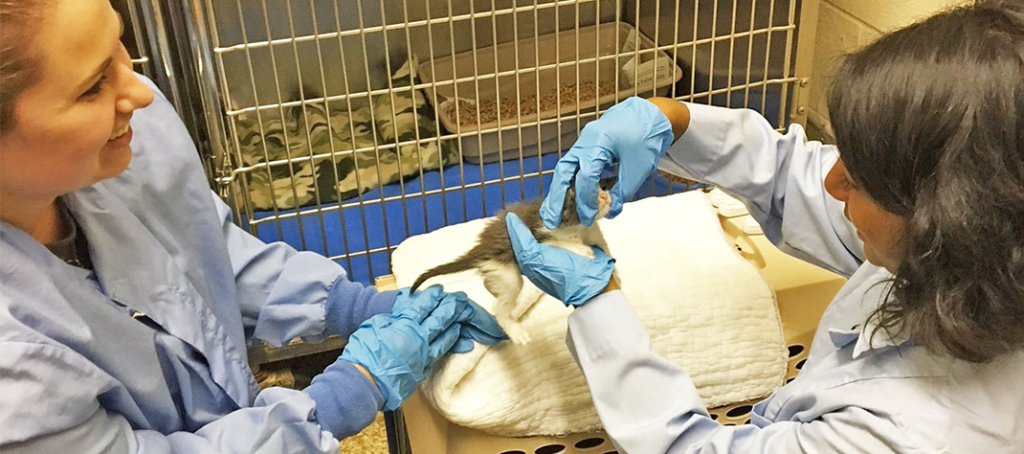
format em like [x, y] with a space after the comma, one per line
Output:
[399, 348]
[570, 277]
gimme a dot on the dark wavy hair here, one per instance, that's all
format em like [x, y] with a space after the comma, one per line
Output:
[18, 66]
[930, 121]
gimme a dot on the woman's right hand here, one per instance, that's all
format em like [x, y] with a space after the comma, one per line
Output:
[633, 134]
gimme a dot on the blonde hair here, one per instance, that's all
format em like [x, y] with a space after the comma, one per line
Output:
[18, 68]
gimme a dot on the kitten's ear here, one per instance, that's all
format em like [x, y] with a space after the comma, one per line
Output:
[570, 193]
[607, 183]
[569, 214]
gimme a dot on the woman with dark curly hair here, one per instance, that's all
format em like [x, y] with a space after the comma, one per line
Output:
[921, 204]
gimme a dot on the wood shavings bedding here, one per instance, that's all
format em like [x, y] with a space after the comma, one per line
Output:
[466, 110]
[372, 440]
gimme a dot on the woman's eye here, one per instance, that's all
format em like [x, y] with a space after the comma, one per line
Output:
[95, 89]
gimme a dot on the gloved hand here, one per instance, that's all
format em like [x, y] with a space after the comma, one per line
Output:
[570, 277]
[478, 325]
[634, 134]
[399, 348]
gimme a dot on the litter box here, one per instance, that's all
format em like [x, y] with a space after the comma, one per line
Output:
[487, 77]
[803, 291]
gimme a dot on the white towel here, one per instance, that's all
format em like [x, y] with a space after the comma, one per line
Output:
[706, 308]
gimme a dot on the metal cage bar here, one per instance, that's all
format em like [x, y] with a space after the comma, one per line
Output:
[496, 90]
[151, 39]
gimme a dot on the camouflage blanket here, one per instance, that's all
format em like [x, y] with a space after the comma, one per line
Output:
[352, 161]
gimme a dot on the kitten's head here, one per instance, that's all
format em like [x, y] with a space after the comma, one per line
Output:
[604, 201]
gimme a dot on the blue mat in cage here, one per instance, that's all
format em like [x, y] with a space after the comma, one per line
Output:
[369, 226]
[364, 227]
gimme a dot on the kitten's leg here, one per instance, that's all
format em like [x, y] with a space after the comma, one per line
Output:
[594, 236]
[528, 296]
[600, 242]
[504, 282]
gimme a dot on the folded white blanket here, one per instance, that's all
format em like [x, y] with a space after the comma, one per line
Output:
[706, 309]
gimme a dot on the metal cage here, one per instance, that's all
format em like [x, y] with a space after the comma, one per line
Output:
[135, 39]
[157, 38]
[302, 107]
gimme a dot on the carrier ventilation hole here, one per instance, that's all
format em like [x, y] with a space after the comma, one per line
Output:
[611, 452]
[714, 416]
[790, 380]
[800, 365]
[550, 449]
[512, 452]
[589, 443]
[747, 421]
[729, 424]
[795, 349]
[739, 411]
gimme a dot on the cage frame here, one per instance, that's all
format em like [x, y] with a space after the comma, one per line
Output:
[180, 50]
[201, 90]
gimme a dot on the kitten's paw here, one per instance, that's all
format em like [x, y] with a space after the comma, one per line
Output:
[516, 333]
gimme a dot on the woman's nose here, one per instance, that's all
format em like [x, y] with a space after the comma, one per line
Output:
[135, 94]
[834, 182]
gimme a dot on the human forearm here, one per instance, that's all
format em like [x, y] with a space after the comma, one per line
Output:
[779, 177]
[613, 285]
[284, 293]
[645, 402]
[676, 112]
[347, 398]
[366, 373]
[281, 421]
[349, 304]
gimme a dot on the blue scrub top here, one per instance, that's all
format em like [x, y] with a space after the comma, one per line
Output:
[856, 393]
[79, 373]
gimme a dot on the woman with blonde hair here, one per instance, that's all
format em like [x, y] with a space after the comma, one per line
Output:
[127, 297]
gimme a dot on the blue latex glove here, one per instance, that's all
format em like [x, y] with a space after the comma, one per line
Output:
[570, 277]
[478, 325]
[399, 348]
[634, 134]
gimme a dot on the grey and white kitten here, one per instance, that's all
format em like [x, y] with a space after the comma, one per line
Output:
[494, 259]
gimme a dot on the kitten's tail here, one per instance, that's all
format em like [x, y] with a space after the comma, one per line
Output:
[461, 264]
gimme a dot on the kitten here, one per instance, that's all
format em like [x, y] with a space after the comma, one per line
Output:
[494, 259]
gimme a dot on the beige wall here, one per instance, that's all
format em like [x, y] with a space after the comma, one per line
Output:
[846, 25]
